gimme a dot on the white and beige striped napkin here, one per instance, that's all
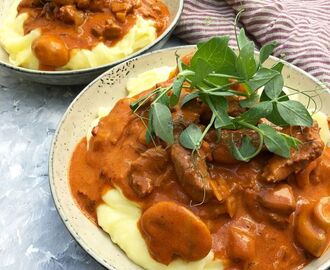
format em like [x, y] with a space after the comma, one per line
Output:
[300, 27]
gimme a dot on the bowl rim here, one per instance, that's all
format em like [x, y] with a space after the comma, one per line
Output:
[51, 181]
[167, 31]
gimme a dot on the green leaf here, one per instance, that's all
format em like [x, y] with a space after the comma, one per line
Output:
[150, 132]
[246, 64]
[275, 117]
[189, 97]
[274, 141]
[200, 44]
[262, 77]
[265, 97]
[294, 113]
[162, 122]
[250, 101]
[278, 67]
[217, 81]
[164, 99]
[253, 115]
[176, 91]
[247, 148]
[218, 54]
[274, 87]
[219, 107]
[190, 137]
[202, 69]
[242, 38]
[266, 51]
[291, 141]
[245, 152]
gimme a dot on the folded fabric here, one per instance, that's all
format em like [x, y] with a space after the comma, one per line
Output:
[300, 27]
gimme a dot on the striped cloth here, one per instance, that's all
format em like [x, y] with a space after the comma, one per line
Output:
[301, 27]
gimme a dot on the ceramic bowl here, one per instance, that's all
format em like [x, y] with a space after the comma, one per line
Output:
[104, 92]
[82, 76]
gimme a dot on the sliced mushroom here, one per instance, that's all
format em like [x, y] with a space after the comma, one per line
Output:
[322, 213]
[311, 237]
[171, 230]
[279, 199]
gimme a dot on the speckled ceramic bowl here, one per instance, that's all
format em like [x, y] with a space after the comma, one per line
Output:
[82, 76]
[105, 91]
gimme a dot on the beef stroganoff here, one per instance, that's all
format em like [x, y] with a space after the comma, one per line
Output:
[215, 167]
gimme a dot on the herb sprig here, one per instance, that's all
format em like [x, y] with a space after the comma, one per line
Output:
[214, 72]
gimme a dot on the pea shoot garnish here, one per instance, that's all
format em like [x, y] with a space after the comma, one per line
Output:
[213, 74]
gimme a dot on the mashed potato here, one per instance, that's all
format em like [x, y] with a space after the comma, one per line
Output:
[118, 217]
[148, 79]
[18, 45]
[322, 120]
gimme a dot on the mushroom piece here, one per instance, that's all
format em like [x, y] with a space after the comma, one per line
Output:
[171, 230]
[279, 200]
[51, 51]
[321, 213]
[310, 236]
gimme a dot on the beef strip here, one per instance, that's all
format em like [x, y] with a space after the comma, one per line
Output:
[70, 15]
[192, 173]
[146, 170]
[234, 107]
[279, 168]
